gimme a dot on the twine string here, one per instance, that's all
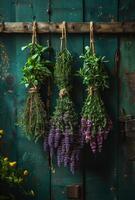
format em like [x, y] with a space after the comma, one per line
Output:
[33, 90]
[63, 36]
[91, 90]
[63, 92]
[34, 32]
[92, 46]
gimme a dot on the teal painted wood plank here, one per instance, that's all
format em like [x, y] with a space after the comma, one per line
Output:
[126, 10]
[67, 11]
[7, 10]
[127, 100]
[100, 170]
[25, 10]
[8, 101]
[31, 155]
[100, 10]
[127, 71]
[27, 154]
[8, 86]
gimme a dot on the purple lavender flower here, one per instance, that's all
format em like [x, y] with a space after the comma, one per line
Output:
[77, 155]
[59, 161]
[63, 150]
[50, 140]
[51, 137]
[67, 142]
[82, 131]
[99, 142]
[72, 167]
[66, 160]
[87, 135]
[57, 138]
[89, 123]
[93, 145]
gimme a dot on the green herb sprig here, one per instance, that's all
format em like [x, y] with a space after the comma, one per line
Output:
[93, 72]
[36, 69]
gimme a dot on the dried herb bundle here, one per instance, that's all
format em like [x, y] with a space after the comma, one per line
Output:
[63, 137]
[35, 72]
[95, 124]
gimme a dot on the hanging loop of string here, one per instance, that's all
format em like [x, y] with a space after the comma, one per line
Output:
[34, 32]
[63, 36]
[92, 46]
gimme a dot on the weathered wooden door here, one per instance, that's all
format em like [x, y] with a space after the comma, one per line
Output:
[110, 175]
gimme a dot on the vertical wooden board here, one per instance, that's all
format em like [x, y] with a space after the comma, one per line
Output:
[67, 11]
[27, 154]
[8, 101]
[127, 75]
[126, 10]
[31, 155]
[7, 10]
[100, 10]
[7, 86]
[26, 10]
[127, 97]
[100, 170]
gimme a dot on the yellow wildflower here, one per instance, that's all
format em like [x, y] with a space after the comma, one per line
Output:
[6, 159]
[1, 132]
[25, 173]
[12, 164]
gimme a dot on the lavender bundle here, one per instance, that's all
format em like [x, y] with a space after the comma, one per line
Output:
[95, 123]
[35, 72]
[63, 138]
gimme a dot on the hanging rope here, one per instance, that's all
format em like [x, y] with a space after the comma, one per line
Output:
[34, 33]
[63, 36]
[63, 45]
[32, 90]
[92, 46]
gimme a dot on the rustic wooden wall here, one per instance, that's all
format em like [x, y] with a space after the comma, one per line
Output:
[107, 176]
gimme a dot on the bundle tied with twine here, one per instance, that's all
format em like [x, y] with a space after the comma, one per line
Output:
[95, 123]
[63, 138]
[35, 72]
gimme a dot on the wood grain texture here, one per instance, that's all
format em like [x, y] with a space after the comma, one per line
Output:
[72, 27]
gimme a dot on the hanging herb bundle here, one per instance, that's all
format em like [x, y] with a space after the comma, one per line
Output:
[95, 123]
[35, 72]
[63, 137]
